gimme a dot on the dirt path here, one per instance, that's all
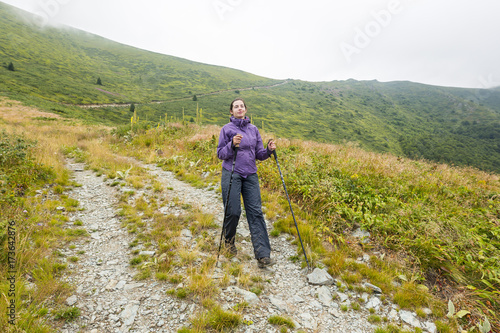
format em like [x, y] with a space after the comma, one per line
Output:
[90, 106]
[111, 300]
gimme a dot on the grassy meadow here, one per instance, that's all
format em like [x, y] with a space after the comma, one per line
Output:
[436, 223]
[435, 226]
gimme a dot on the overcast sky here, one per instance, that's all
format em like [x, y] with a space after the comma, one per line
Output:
[439, 42]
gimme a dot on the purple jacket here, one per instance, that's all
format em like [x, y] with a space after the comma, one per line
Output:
[251, 146]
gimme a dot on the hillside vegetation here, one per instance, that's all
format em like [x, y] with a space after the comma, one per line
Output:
[437, 225]
[442, 222]
[59, 68]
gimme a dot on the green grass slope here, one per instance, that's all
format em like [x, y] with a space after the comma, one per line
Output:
[57, 69]
[63, 65]
[403, 118]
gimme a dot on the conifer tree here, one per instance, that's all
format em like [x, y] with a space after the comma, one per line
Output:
[10, 67]
[132, 107]
[99, 82]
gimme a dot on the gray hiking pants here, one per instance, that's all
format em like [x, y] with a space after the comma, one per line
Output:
[249, 189]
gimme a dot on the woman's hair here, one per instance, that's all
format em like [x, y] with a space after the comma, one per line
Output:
[237, 99]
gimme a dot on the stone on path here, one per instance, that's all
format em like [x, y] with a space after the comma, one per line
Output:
[129, 313]
[71, 300]
[325, 296]
[409, 318]
[320, 277]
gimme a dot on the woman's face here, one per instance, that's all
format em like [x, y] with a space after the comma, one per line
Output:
[239, 110]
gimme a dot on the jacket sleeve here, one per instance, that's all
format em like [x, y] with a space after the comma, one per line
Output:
[225, 148]
[261, 153]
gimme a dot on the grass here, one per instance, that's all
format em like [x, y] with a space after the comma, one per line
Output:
[381, 193]
[213, 319]
[67, 314]
[281, 321]
[448, 209]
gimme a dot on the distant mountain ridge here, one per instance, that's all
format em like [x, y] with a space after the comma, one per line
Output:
[57, 67]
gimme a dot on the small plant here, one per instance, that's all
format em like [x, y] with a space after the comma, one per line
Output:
[176, 278]
[68, 314]
[241, 306]
[257, 291]
[451, 311]
[274, 233]
[485, 327]
[181, 293]
[344, 307]
[135, 261]
[124, 174]
[374, 319]
[281, 321]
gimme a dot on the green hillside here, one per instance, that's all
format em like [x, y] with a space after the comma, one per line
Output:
[403, 118]
[57, 69]
[63, 65]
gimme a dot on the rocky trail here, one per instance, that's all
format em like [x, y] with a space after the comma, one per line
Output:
[111, 300]
[90, 106]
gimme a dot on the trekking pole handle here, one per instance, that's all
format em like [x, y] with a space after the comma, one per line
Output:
[274, 151]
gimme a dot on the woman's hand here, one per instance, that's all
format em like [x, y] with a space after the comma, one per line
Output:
[237, 140]
[271, 145]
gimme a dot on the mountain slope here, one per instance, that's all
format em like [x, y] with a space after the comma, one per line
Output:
[58, 68]
[63, 65]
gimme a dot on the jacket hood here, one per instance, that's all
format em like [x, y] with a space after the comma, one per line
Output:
[240, 123]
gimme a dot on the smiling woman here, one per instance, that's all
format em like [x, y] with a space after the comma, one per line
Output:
[242, 180]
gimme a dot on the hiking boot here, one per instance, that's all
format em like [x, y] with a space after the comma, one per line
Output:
[265, 262]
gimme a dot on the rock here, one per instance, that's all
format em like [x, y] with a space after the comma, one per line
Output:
[186, 233]
[320, 277]
[70, 301]
[279, 304]
[298, 299]
[120, 284]
[325, 296]
[375, 289]
[308, 321]
[129, 313]
[342, 297]
[243, 232]
[248, 296]
[393, 315]
[362, 234]
[334, 312]
[147, 253]
[429, 326]
[132, 286]
[373, 303]
[409, 318]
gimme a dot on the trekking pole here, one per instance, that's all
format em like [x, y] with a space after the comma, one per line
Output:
[227, 202]
[290, 204]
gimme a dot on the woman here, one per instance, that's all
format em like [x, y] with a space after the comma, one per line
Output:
[239, 132]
